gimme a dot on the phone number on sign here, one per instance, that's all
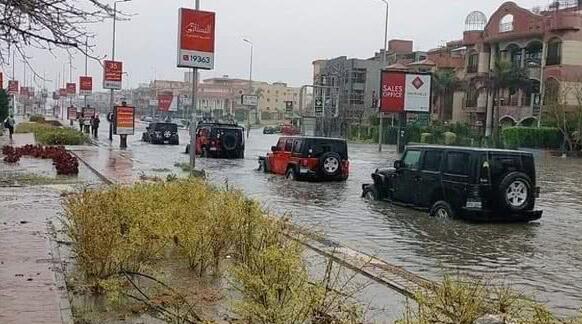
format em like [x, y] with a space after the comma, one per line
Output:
[197, 59]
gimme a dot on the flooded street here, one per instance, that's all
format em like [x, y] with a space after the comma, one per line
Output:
[543, 259]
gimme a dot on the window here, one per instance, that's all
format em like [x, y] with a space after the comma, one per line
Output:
[472, 97]
[411, 160]
[297, 146]
[552, 91]
[281, 144]
[357, 97]
[432, 160]
[554, 52]
[473, 64]
[458, 163]
[289, 145]
[506, 24]
[359, 76]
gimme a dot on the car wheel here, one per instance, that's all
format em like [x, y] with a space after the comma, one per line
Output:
[516, 192]
[442, 209]
[229, 142]
[291, 174]
[371, 193]
[204, 152]
[330, 164]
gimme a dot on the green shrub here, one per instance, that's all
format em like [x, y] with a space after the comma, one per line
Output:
[47, 134]
[37, 119]
[450, 138]
[426, 138]
[531, 137]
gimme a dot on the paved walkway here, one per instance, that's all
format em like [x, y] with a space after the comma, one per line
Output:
[28, 288]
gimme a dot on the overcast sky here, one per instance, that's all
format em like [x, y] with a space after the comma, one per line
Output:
[288, 35]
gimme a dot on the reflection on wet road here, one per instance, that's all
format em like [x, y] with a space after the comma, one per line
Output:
[543, 258]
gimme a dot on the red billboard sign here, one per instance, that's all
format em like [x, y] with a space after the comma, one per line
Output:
[62, 92]
[71, 89]
[85, 85]
[403, 91]
[24, 91]
[72, 113]
[167, 102]
[12, 87]
[112, 75]
[124, 117]
[196, 34]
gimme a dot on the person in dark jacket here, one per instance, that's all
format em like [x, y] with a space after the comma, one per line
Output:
[10, 123]
[95, 121]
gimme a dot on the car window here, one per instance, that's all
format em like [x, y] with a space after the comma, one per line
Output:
[432, 160]
[411, 160]
[298, 146]
[281, 144]
[289, 145]
[319, 147]
[458, 163]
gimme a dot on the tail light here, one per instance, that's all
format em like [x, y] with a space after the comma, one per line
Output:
[304, 162]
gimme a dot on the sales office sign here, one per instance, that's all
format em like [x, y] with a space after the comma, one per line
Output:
[405, 92]
[196, 32]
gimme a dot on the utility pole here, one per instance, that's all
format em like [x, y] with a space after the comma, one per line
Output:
[86, 66]
[194, 123]
[14, 79]
[384, 59]
[250, 83]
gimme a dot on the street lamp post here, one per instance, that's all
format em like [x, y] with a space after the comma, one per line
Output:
[384, 59]
[252, 45]
[111, 100]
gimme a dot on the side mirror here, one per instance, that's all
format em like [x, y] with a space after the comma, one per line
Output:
[274, 148]
[398, 164]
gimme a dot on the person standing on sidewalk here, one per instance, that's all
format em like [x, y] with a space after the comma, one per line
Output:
[10, 123]
[95, 121]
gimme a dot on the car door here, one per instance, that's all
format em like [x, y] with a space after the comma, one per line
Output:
[430, 177]
[456, 176]
[282, 155]
[407, 177]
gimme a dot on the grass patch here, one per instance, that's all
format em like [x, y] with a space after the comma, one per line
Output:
[30, 179]
[124, 236]
[47, 134]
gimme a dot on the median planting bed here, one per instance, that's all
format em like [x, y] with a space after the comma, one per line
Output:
[49, 134]
[64, 162]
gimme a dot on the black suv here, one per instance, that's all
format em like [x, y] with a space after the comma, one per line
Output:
[161, 133]
[470, 183]
[220, 140]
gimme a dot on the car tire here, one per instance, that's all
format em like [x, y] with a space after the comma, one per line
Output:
[371, 193]
[291, 174]
[330, 164]
[516, 192]
[442, 209]
[229, 142]
[143, 137]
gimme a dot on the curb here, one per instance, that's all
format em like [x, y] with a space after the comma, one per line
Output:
[90, 167]
[65, 308]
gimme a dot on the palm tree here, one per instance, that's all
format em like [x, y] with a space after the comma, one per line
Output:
[444, 82]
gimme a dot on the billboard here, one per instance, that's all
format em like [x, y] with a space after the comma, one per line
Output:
[72, 113]
[196, 33]
[124, 120]
[167, 102]
[24, 91]
[112, 75]
[62, 92]
[405, 92]
[12, 87]
[88, 112]
[71, 89]
[249, 100]
[85, 85]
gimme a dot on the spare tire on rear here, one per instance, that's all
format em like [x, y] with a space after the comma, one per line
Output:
[515, 192]
[229, 142]
[330, 164]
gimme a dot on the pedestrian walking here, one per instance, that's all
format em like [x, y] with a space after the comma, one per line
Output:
[95, 121]
[80, 120]
[10, 123]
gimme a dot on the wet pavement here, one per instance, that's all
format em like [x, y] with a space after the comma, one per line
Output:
[542, 259]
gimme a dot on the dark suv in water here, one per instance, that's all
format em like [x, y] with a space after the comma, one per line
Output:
[471, 183]
[220, 140]
[308, 158]
[161, 133]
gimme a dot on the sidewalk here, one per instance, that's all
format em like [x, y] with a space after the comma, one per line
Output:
[29, 292]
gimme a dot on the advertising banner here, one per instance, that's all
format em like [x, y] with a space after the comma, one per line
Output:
[1, 80]
[167, 102]
[405, 92]
[124, 120]
[71, 89]
[24, 91]
[62, 92]
[249, 100]
[196, 33]
[12, 87]
[85, 85]
[112, 75]
[88, 112]
[72, 113]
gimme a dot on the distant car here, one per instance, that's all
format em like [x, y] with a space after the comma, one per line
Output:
[308, 158]
[269, 130]
[219, 140]
[161, 133]
[448, 182]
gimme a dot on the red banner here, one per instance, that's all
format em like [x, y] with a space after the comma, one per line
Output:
[71, 89]
[24, 91]
[62, 92]
[72, 113]
[1, 80]
[85, 85]
[393, 86]
[165, 102]
[196, 34]
[112, 75]
[12, 87]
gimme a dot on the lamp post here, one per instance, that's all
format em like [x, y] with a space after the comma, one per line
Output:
[111, 100]
[384, 59]
[252, 45]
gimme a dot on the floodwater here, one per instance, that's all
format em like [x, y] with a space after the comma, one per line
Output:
[542, 259]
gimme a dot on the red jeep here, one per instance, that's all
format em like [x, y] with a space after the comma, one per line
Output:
[222, 141]
[308, 158]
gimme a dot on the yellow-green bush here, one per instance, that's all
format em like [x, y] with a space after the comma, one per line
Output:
[48, 134]
[450, 138]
